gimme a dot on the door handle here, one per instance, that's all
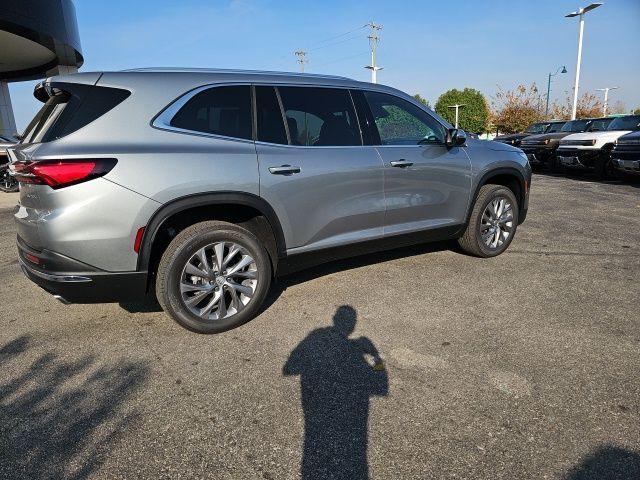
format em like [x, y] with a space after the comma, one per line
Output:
[284, 170]
[402, 163]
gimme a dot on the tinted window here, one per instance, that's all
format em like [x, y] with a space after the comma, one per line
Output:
[320, 116]
[554, 127]
[220, 111]
[630, 122]
[269, 117]
[600, 124]
[400, 122]
[576, 126]
[537, 128]
[46, 117]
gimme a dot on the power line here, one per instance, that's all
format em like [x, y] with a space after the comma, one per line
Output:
[343, 58]
[339, 36]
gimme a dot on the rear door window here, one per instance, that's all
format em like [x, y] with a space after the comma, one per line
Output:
[222, 111]
[270, 125]
[320, 117]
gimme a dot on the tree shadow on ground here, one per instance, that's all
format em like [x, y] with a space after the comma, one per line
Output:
[608, 462]
[338, 376]
[60, 418]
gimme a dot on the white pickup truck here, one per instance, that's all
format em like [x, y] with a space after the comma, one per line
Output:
[592, 150]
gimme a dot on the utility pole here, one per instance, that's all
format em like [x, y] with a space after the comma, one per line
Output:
[373, 45]
[579, 13]
[302, 59]
[457, 107]
[606, 98]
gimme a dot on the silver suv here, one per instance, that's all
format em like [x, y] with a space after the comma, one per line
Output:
[203, 185]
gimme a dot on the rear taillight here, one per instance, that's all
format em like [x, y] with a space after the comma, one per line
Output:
[62, 173]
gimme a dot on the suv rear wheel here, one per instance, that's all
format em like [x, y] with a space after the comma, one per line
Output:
[214, 276]
[493, 222]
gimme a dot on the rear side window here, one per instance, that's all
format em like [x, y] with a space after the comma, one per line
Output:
[270, 124]
[73, 106]
[220, 111]
[46, 117]
[319, 117]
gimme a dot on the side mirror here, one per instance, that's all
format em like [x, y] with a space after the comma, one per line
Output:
[456, 137]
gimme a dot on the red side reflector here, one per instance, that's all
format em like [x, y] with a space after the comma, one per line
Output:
[62, 173]
[138, 240]
[32, 258]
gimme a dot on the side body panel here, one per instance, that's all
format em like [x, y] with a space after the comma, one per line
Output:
[433, 192]
[337, 197]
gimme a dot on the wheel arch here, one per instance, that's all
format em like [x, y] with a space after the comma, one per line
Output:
[508, 177]
[212, 206]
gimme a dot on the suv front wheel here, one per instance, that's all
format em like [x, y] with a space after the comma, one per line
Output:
[493, 222]
[214, 276]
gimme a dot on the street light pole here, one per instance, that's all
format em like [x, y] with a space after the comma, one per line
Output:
[457, 107]
[606, 98]
[579, 13]
[564, 70]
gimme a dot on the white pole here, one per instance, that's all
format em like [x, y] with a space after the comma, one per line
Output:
[575, 87]
[374, 77]
[457, 110]
[606, 97]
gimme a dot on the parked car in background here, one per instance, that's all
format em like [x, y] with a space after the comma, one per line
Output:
[592, 150]
[626, 153]
[533, 129]
[541, 149]
[7, 182]
[203, 185]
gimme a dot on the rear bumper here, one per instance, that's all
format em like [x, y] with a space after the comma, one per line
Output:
[72, 285]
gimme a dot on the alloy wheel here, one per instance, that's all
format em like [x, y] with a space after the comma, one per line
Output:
[218, 281]
[496, 225]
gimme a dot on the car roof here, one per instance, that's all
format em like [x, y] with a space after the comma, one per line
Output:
[233, 72]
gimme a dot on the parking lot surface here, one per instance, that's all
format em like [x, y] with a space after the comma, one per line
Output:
[521, 366]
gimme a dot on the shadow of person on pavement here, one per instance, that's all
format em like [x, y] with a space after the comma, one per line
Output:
[607, 462]
[338, 376]
[61, 417]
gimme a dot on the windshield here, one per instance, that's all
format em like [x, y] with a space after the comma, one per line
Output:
[630, 122]
[537, 128]
[600, 124]
[576, 126]
[555, 127]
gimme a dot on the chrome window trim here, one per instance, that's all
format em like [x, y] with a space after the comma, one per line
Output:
[162, 121]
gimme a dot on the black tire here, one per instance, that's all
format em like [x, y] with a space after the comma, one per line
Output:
[181, 249]
[471, 241]
[553, 164]
[604, 168]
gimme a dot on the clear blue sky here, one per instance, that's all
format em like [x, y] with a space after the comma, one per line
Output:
[426, 47]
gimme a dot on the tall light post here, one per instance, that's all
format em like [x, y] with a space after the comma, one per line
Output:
[580, 12]
[606, 98]
[457, 107]
[564, 70]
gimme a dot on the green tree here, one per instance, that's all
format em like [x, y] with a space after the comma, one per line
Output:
[516, 109]
[473, 117]
[422, 100]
